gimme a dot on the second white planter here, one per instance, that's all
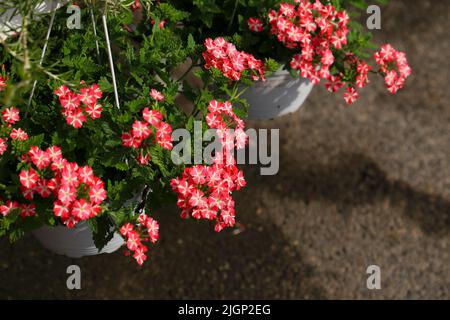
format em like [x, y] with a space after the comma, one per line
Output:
[279, 95]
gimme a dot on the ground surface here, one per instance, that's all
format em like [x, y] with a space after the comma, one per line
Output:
[357, 186]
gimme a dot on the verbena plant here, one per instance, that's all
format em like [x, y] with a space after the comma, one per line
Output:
[70, 154]
[318, 40]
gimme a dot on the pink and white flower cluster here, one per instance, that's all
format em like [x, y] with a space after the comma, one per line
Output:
[316, 29]
[224, 56]
[142, 131]
[205, 192]
[77, 192]
[77, 106]
[320, 31]
[25, 210]
[10, 116]
[147, 230]
[394, 65]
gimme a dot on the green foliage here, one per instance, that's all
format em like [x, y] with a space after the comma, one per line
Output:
[103, 229]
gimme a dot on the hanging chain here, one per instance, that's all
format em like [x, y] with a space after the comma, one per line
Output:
[110, 56]
[44, 49]
[94, 26]
[108, 45]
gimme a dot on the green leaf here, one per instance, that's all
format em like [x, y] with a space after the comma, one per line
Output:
[103, 231]
[105, 85]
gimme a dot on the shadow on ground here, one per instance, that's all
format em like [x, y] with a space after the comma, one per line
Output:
[191, 261]
[355, 180]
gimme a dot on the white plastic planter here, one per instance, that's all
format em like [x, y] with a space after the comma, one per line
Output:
[74, 243]
[279, 95]
[77, 242]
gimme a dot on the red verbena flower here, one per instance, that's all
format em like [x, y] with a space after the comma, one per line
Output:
[76, 118]
[155, 94]
[255, 24]
[81, 209]
[27, 210]
[11, 115]
[94, 111]
[28, 178]
[351, 95]
[18, 134]
[8, 207]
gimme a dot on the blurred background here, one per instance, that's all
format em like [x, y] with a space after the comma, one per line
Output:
[358, 186]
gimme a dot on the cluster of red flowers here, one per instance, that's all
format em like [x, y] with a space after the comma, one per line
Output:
[362, 79]
[77, 105]
[146, 230]
[204, 192]
[10, 116]
[318, 30]
[315, 28]
[142, 130]
[224, 56]
[394, 65]
[10, 206]
[25, 210]
[77, 191]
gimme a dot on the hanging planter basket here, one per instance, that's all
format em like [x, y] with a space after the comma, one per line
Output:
[78, 242]
[279, 95]
[74, 242]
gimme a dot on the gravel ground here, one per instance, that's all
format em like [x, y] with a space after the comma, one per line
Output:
[357, 186]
